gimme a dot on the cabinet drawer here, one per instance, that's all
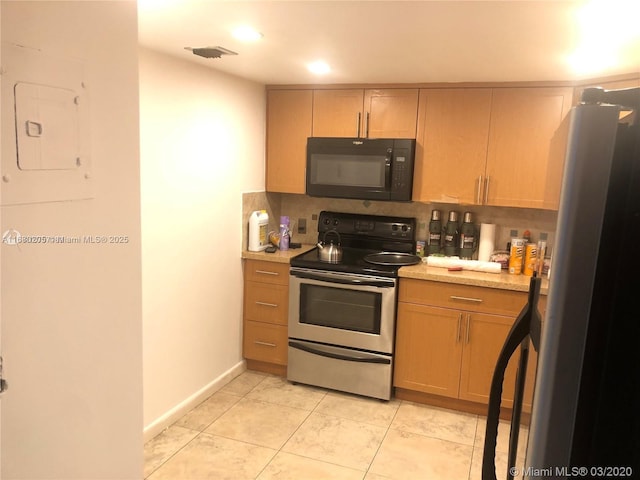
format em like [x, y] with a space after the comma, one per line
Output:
[265, 342]
[267, 272]
[265, 302]
[462, 297]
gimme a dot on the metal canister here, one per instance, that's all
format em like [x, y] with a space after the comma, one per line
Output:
[530, 258]
[435, 233]
[468, 237]
[516, 256]
[451, 235]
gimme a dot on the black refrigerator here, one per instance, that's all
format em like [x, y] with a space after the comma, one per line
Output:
[585, 420]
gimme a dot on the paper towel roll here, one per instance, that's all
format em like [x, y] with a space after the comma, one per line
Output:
[474, 265]
[487, 241]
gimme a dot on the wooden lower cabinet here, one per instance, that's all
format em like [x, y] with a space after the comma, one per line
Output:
[428, 350]
[484, 336]
[266, 308]
[452, 352]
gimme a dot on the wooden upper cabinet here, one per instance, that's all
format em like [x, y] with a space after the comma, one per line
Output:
[453, 132]
[337, 113]
[374, 113]
[289, 115]
[523, 122]
[488, 146]
[390, 113]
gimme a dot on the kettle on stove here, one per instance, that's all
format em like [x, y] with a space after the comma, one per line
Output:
[331, 253]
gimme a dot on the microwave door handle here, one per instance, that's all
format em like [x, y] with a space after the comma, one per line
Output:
[387, 172]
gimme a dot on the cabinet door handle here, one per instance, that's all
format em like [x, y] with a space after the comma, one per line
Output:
[264, 344]
[358, 118]
[468, 328]
[366, 125]
[466, 299]
[486, 190]
[265, 304]
[266, 272]
[459, 327]
[479, 191]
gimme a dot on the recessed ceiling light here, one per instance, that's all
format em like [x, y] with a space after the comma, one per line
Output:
[319, 67]
[245, 33]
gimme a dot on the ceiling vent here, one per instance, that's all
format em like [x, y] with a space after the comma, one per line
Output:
[210, 52]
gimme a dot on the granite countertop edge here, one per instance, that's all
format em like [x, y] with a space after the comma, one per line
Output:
[503, 281]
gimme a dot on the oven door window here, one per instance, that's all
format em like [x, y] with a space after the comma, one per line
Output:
[340, 308]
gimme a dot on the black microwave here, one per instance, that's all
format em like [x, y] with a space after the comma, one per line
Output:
[361, 168]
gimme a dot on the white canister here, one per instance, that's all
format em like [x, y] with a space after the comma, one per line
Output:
[258, 225]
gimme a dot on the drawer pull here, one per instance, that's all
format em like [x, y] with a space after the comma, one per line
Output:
[266, 272]
[466, 299]
[264, 344]
[265, 304]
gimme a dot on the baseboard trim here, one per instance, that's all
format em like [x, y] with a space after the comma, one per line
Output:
[172, 415]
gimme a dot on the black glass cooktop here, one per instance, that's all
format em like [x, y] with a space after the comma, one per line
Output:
[352, 262]
[360, 235]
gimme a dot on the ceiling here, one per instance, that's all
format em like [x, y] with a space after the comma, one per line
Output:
[402, 41]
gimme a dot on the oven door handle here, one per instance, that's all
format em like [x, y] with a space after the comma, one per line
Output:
[364, 358]
[344, 281]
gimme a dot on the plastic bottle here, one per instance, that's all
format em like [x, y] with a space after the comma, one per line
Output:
[258, 225]
[284, 233]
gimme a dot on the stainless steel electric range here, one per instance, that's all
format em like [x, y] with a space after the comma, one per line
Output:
[342, 313]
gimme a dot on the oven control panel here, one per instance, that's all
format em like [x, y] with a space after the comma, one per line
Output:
[368, 225]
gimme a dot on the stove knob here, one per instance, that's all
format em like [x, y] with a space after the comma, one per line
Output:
[327, 221]
[394, 228]
[404, 228]
[335, 222]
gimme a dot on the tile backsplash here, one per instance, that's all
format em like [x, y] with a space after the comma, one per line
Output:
[304, 207]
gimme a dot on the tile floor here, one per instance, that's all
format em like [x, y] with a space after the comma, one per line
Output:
[262, 427]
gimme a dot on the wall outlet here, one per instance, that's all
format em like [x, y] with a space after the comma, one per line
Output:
[302, 226]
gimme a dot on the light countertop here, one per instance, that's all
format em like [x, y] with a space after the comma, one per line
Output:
[503, 281]
[279, 256]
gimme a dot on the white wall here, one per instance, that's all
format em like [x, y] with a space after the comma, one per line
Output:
[202, 137]
[71, 313]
